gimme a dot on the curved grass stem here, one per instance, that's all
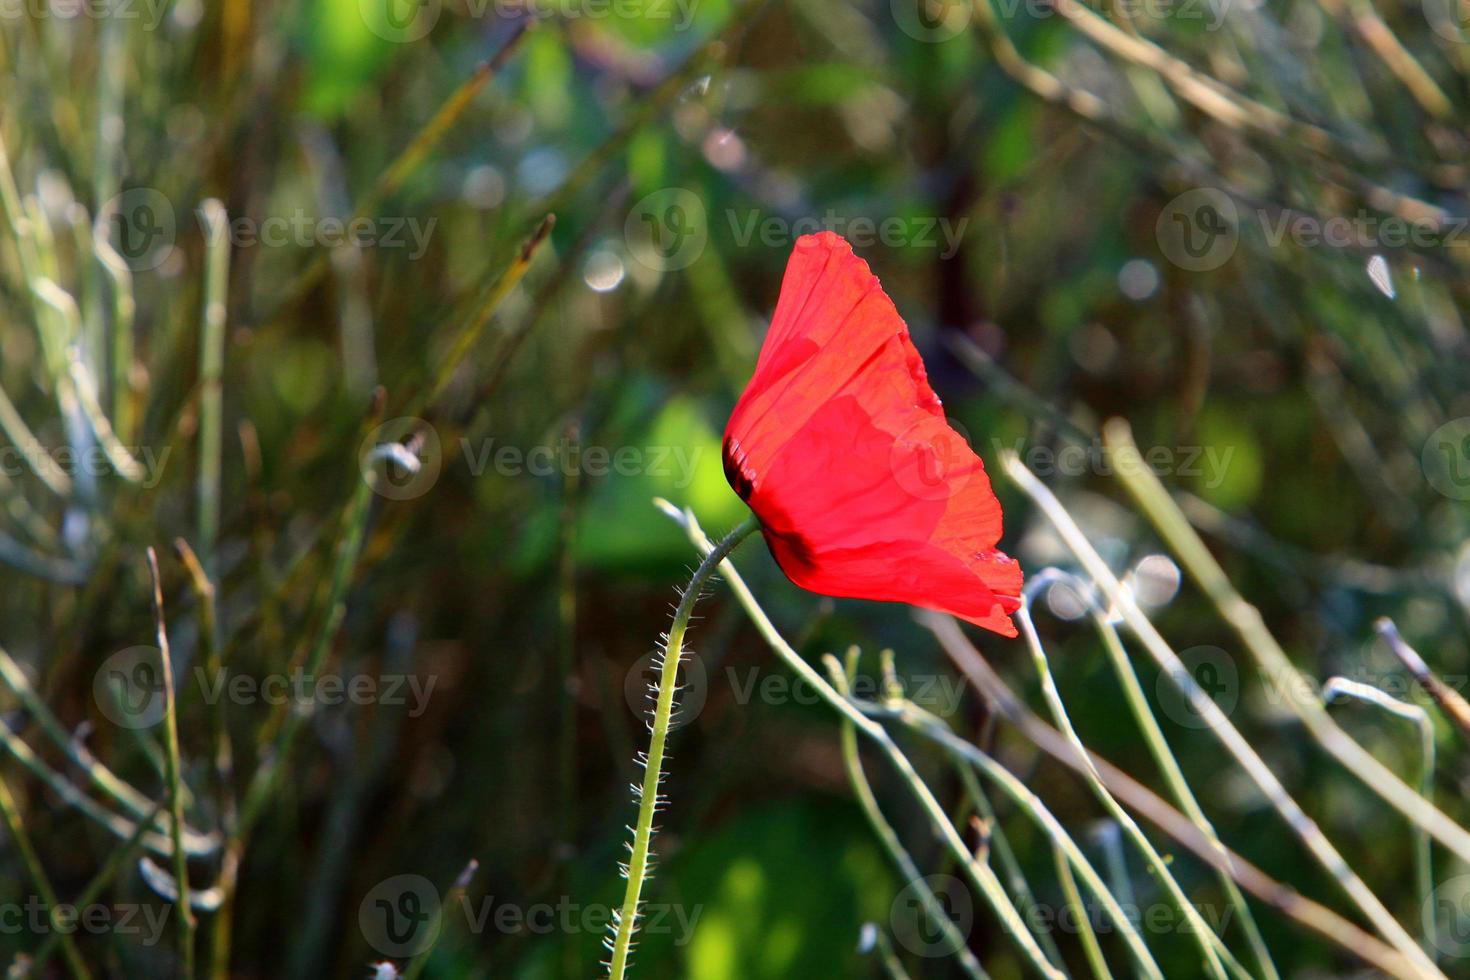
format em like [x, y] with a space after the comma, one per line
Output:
[953, 938]
[1337, 688]
[981, 876]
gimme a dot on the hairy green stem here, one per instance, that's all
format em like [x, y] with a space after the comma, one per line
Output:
[627, 918]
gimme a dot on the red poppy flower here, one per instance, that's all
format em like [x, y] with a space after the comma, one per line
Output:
[841, 448]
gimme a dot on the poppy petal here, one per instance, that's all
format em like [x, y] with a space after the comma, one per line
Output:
[841, 448]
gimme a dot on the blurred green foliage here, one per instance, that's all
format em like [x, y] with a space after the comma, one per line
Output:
[1059, 301]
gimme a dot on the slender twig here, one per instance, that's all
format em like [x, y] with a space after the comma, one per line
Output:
[980, 875]
[886, 954]
[211, 367]
[1246, 620]
[888, 837]
[1210, 946]
[435, 930]
[120, 857]
[22, 840]
[1140, 799]
[412, 156]
[1342, 687]
[1164, 758]
[1306, 829]
[268, 776]
[481, 315]
[1449, 700]
[175, 776]
[222, 750]
[1085, 932]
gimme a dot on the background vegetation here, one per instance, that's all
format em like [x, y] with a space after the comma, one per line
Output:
[1082, 213]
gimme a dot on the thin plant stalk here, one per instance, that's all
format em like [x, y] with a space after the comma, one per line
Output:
[116, 861]
[980, 875]
[626, 919]
[888, 837]
[15, 824]
[451, 900]
[211, 368]
[175, 775]
[1210, 946]
[888, 957]
[908, 713]
[1085, 932]
[1341, 687]
[1184, 797]
[1306, 829]
[221, 749]
[1447, 698]
[1274, 664]
[1312, 915]
[1000, 845]
[1163, 756]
